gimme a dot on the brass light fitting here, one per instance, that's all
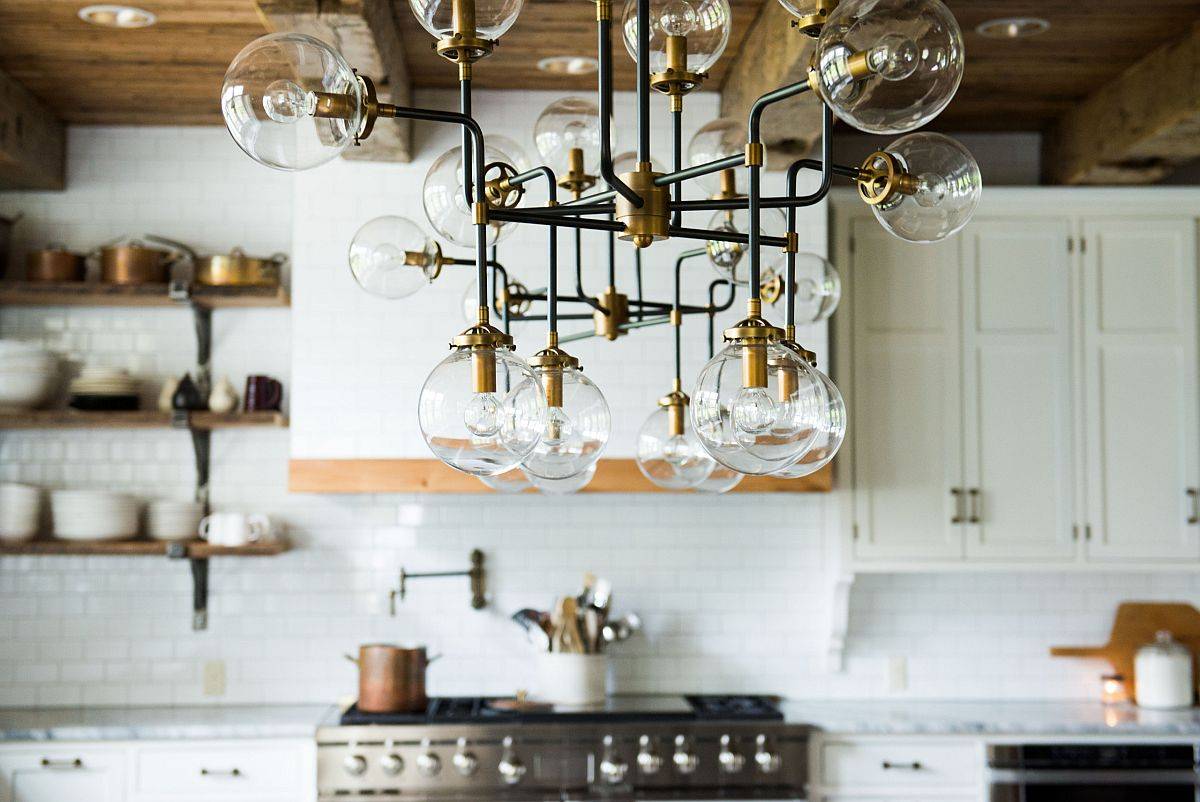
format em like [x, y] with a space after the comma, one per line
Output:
[576, 181]
[752, 335]
[341, 107]
[501, 192]
[652, 221]
[676, 403]
[676, 81]
[616, 304]
[431, 265]
[463, 46]
[549, 364]
[881, 178]
[728, 189]
[482, 340]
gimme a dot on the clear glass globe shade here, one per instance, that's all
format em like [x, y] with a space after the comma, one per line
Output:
[915, 49]
[818, 288]
[627, 162]
[446, 205]
[493, 18]
[571, 122]
[716, 139]
[511, 481]
[779, 422]
[268, 101]
[563, 487]
[675, 462]
[830, 434]
[391, 257]
[948, 189]
[717, 393]
[705, 23]
[481, 433]
[721, 480]
[573, 435]
[726, 257]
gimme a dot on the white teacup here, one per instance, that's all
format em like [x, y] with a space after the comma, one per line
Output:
[235, 528]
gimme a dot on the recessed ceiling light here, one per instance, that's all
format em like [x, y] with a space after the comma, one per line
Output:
[117, 16]
[568, 65]
[1012, 27]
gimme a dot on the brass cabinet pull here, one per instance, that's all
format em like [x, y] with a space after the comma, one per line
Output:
[976, 505]
[1193, 494]
[957, 494]
[48, 763]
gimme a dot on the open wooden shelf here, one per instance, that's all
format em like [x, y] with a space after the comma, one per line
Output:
[195, 550]
[141, 419]
[79, 293]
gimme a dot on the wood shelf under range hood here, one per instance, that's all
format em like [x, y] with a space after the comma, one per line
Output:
[79, 293]
[192, 550]
[140, 419]
[432, 476]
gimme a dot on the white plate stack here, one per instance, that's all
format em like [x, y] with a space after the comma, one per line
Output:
[29, 375]
[96, 380]
[93, 515]
[20, 512]
[173, 520]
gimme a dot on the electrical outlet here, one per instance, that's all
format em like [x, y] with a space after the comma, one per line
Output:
[214, 678]
[897, 673]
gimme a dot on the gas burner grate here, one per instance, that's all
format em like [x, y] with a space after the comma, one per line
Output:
[734, 708]
[441, 709]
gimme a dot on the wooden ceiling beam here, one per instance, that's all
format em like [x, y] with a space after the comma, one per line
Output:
[368, 35]
[774, 54]
[1135, 129]
[33, 142]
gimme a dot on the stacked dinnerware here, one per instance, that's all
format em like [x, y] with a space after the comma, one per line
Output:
[101, 388]
[93, 515]
[173, 520]
[28, 375]
[20, 512]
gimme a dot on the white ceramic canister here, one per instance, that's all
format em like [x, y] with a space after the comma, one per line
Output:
[1163, 672]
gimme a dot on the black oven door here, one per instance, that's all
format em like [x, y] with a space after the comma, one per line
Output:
[1093, 786]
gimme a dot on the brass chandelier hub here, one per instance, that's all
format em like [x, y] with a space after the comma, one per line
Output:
[616, 305]
[651, 221]
[811, 23]
[881, 177]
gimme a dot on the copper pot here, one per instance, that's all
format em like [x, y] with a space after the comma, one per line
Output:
[54, 263]
[391, 679]
[130, 261]
[236, 269]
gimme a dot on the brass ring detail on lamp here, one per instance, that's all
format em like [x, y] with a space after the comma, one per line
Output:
[502, 194]
[771, 290]
[811, 24]
[881, 177]
[463, 47]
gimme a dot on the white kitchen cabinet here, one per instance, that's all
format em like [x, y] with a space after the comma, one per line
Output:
[229, 770]
[887, 768]
[62, 772]
[1139, 352]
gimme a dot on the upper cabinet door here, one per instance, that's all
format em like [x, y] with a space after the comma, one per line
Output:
[1018, 462]
[1139, 347]
[906, 417]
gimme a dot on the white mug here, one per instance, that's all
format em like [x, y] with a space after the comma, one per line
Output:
[235, 528]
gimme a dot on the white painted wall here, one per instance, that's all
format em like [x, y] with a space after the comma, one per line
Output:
[732, 589]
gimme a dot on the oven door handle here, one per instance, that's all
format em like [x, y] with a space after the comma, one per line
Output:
[1093, 777]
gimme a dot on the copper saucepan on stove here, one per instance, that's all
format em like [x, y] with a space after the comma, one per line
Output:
[391, 679]
[236, 269]
[54, 263]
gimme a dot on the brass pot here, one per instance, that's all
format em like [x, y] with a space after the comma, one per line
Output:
[54, 263]
[236, 269]
[133, 263]
[391, 679]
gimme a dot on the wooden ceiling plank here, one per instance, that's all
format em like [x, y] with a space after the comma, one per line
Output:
[773, 54]
[32, 141]
[1136, 129]
[368, 36]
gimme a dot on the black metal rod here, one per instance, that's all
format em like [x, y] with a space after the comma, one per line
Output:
[683, 257]
[727, 163]
[714, 307]
[643, 80]
[723, 236]
[612, 259]
[566, 210]
[557, 317]
[815, 196]
[605, 91]
[464, 108]
[637, 268]
[594, 198]
[587, 299]
[521, 216]
[677, 163]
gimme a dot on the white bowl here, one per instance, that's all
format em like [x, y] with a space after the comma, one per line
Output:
[21, 389]
[93, 515]
[20, 512]
[173, 520]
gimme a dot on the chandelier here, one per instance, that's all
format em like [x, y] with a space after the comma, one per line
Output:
[759, 406]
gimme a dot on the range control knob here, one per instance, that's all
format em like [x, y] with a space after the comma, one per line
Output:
[511, 768]
[648, 758]
[731, 760]
[465, 760]
[355, 765]
[392, 764]
[767, 759]
[428, 763]
[612, 768]
[685, 760]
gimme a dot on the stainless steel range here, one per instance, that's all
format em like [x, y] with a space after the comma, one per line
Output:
[631, 748]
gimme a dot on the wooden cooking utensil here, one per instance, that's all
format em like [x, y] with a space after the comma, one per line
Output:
[1134, 626]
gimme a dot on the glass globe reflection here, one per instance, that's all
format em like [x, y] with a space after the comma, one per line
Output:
[818, 288]
[571, 122]
[574, 434]
[269, 101]
[831, 431]
[672, 461]
[493, 18]
[563, 487]
[391, 257]
[716, 139]
[914, 50]
[511, 481]
[482, 433]
[446, 205]
[705, 23]
[721, 480]
[948, 186]
[726, 257]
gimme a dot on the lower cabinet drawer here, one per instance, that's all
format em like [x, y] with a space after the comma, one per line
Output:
[230, 769]
[889, 765]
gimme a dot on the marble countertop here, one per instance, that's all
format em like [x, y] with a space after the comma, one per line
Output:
[160, 723]
[989, 718]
